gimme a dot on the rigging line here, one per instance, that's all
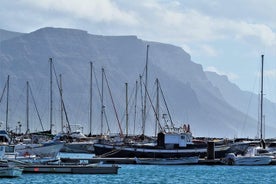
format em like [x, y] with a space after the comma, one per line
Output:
[36, 109]
[154, 110]
[59, 89]
[142, 103]
[99, 92]
[3, 92]
[113, 104]
[107, 123]
[132, 104]
[166, 105]
[97, 85]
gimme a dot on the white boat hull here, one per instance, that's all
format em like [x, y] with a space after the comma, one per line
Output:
[255, 160]
[10, 172]
[41, 150]
[231, 159]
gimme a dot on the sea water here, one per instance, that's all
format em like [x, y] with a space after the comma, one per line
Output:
[152, 174]
[159, 174]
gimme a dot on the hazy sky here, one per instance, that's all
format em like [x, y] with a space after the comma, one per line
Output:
[226, 36]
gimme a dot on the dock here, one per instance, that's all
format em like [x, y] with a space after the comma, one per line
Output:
[130, 161]
[72, 169]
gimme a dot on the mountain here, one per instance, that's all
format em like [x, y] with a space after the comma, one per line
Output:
[244, 101]
[190, 95]
[5, 35]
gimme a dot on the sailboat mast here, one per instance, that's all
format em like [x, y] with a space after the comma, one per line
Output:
[126, 109]
[27, 108]
[157, 107]
[90, 95]
[262, 74]
[135, 106]
[7, 103]
[102, 105]
[61, 104]
[145, 97]
[51, 93]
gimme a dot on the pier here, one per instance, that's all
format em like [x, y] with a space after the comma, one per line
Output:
[131, 161]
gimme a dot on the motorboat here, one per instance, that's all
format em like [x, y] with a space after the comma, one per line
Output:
[252, 157]
[7, 169]
[10, 171]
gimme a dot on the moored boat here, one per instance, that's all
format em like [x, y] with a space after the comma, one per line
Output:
[6, 169]
[10, 171]
[167, 161]
[251, 158]
[45, 149]
[173, 144]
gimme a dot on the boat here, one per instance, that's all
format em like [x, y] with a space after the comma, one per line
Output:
[6, 169]
[10, 171]
[173, 144]
[73, 168]
[167, 161]
[44, 149]
[76, 142]
[252, 158]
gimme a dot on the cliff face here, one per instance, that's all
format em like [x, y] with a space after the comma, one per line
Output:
[191, 96]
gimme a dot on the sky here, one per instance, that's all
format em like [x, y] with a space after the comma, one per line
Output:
[224, 36]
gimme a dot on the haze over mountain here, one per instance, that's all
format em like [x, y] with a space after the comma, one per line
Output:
[212, 105]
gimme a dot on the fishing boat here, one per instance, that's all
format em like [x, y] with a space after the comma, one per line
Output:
[167, 161]
[173, 144]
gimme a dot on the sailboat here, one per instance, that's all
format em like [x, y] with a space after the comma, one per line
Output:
[172, 142]
[256, 154]
[37, 147]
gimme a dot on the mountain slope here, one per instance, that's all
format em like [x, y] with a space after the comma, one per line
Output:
[6, 35]
[191, 97]
[244, 101]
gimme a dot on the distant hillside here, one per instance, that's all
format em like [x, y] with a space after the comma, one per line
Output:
[191, 96]
[244, 101]
[5, 35]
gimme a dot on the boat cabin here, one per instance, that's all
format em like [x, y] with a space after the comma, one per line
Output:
[174, 140]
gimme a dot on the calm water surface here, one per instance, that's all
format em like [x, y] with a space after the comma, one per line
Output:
[145, 174]
[161, 174]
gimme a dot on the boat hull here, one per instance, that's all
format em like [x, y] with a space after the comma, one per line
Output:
[232, 159]
[255, 160]
[10, 172]
[156, 161]
[42, 150]
[78, 147]
[106, 150]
